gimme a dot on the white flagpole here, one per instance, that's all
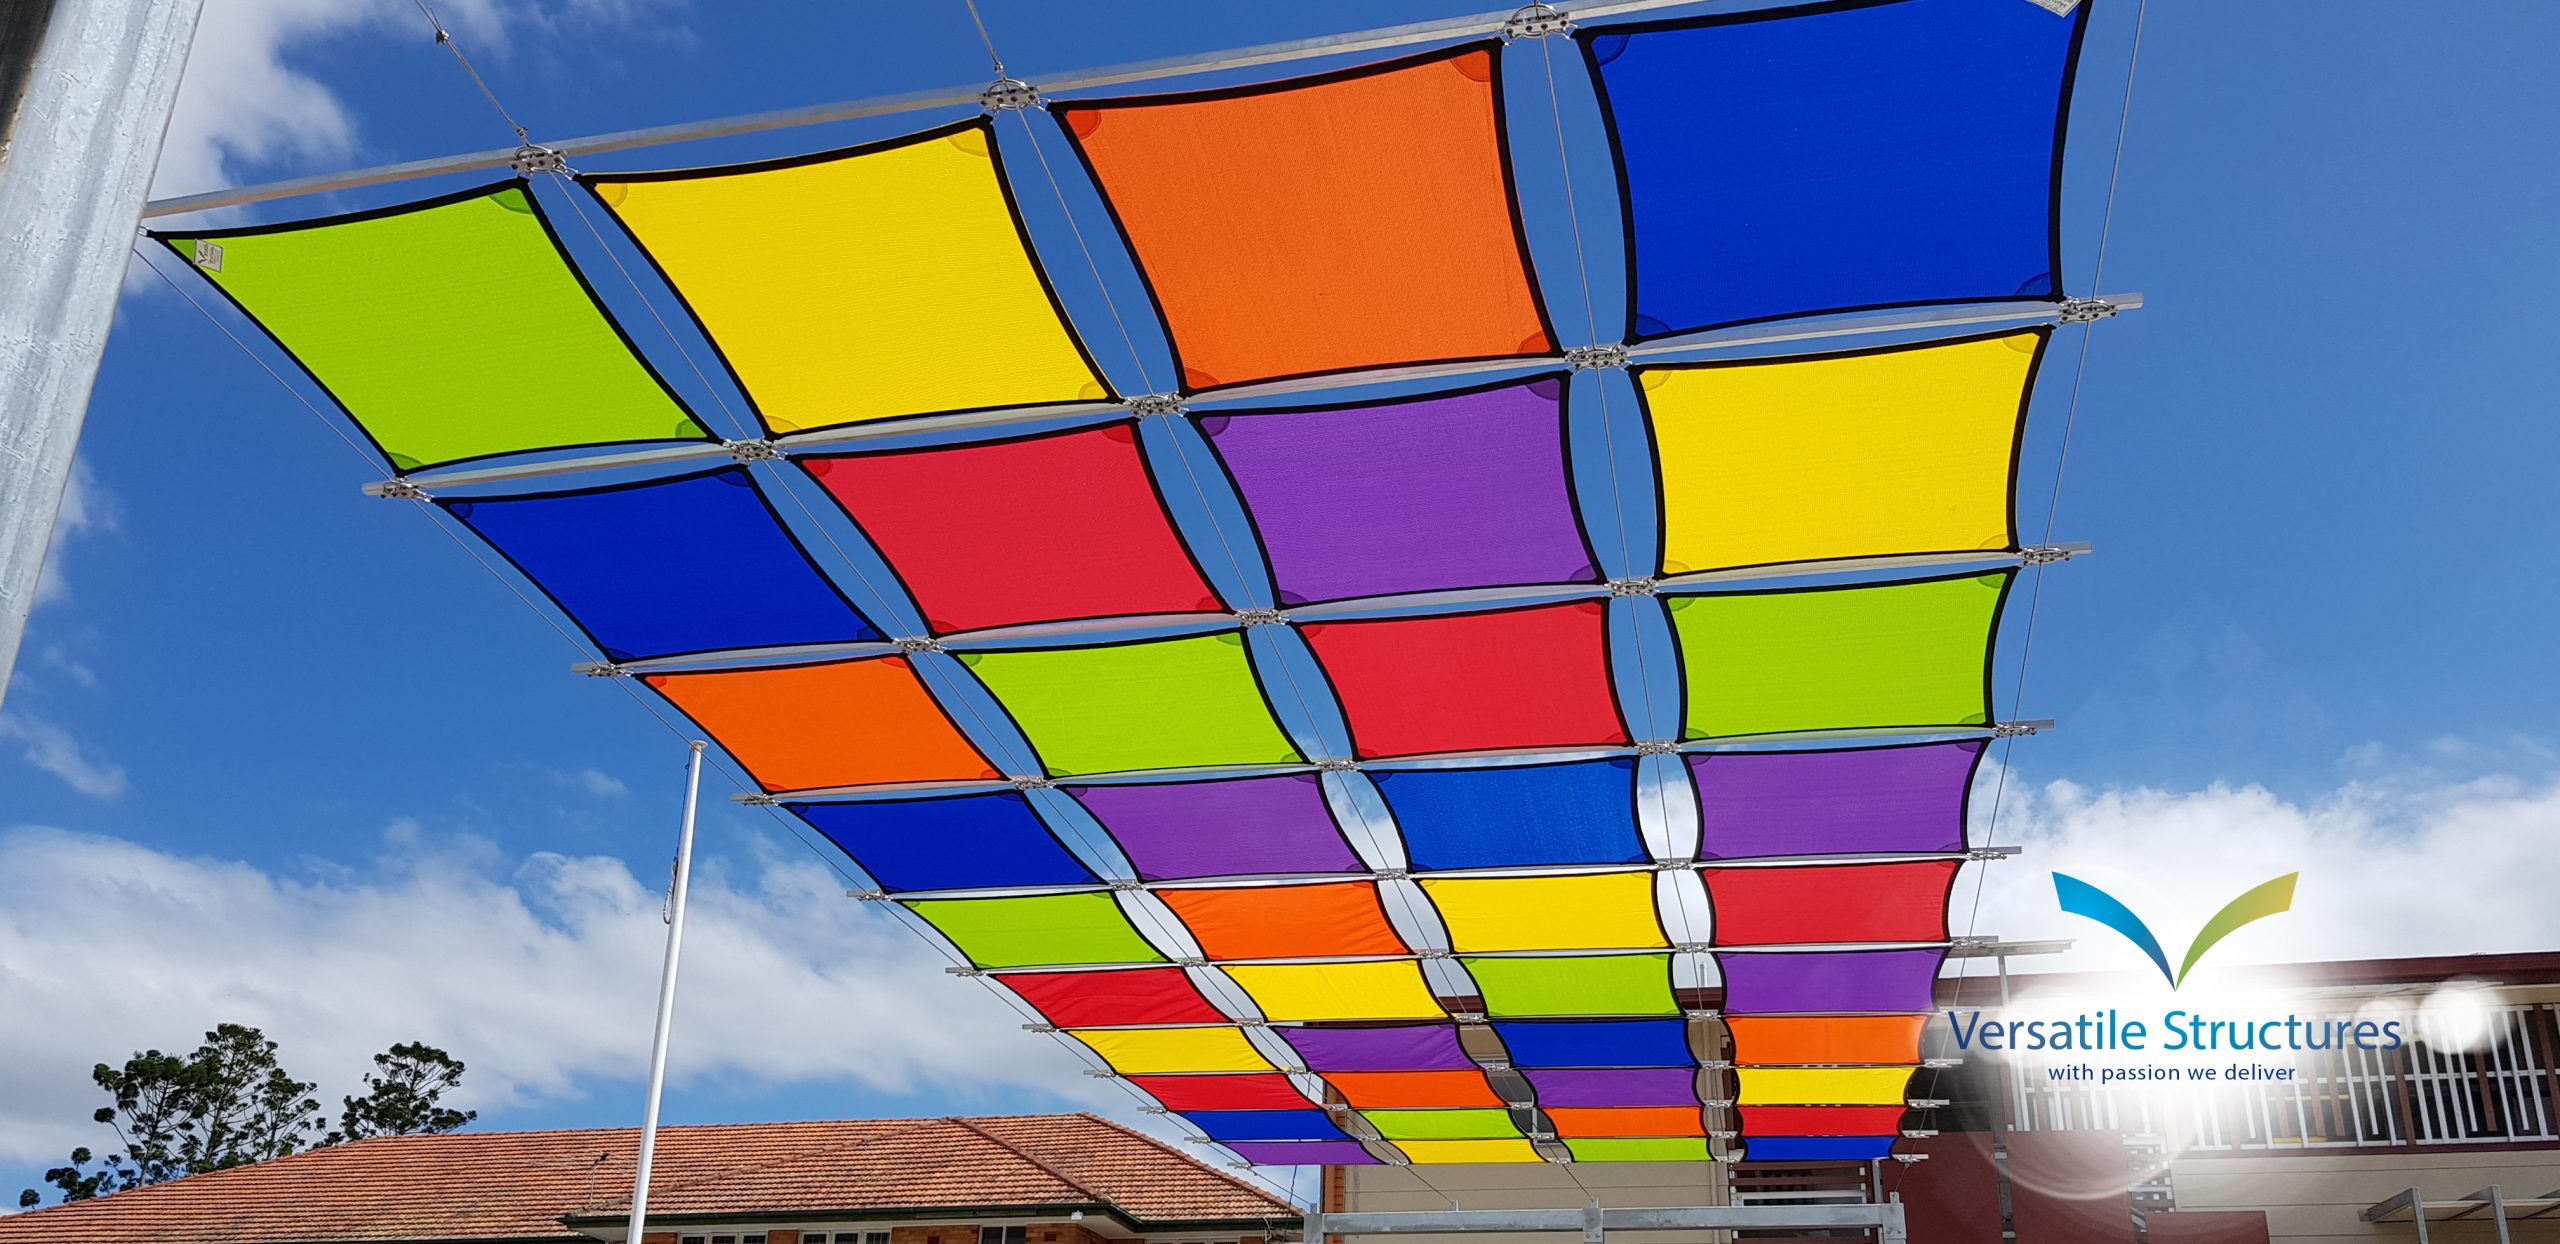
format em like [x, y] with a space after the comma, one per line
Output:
[666, 997]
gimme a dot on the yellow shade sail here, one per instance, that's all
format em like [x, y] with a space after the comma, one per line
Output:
[1392, 989]
[902, 264]
[1173, 1051]
[1449, 1152]
[1821, 1086]
[1908, 449]
[1606, 911]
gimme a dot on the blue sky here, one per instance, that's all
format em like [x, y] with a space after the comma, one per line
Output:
[2315, 468]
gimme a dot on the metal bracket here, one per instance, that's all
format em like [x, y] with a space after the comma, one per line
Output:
[534, 158]
[2083, 310]
[1593, 358]
[399, 490]
[751, 450]
[1972, 941]
[915, 644]
[1259, 617]
[2012, 729]
[1156, 404]
[599, 669]
[1631, 587]
[1536, 21]
[2047, 554]
[1008, 94]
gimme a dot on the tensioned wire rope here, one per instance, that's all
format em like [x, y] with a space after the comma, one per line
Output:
[1636, 617]
[2053, 505]
[1413, 908]
[1094, 1060]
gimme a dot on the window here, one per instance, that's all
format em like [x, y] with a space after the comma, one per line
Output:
[1004, 1235]
[868, 1237]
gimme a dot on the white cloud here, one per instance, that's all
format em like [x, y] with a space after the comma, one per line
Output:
[2411, 857]
[53, 749]
[243, 100]
[596, 782]
[87, 509]
[537, 979]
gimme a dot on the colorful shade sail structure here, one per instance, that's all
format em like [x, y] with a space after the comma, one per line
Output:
[1447, 750]
[422, 320]
[903, 262]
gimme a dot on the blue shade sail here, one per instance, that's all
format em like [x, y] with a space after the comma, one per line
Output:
[1817, 1148]
[1225, 1125]
[1793, 161]
[948, 843]
[1579, 813]
[672, 567]
[1598, 1043]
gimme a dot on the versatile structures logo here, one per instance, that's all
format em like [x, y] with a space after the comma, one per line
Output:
[2083, 899]
[2199, 1039]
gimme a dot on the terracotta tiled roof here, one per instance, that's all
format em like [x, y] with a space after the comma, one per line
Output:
[522, 1185]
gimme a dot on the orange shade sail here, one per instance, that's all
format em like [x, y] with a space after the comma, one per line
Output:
[1284, 922]
[1393, 1090]
[1842, 1039]
[1628, 1121]
[838, 723]
[1352, 219]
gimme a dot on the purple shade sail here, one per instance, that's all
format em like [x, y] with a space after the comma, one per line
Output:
[1617, 1086]
[1303, 1153]
[1222, 828]
[1459, 490]
[1834, 803]
[1388, 1047]
[1785, 983]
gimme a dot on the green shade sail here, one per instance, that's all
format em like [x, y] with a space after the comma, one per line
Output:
[1442, 1124]
[1160, 704]
[1913, 654]
[1640, 1149]
[1047, 930]
[1575, 985]
[449, 330]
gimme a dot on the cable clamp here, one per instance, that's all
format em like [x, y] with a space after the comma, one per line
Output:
[1702, 1012]
[2013, 729]
[599, 669]
[1723, 1135]
[1918, 1133]
[1430, 952]
[868, 896]
[399, 490]
[1941, 1064]
[751, 451]
[1908, 1158]
[1156, 404]
[1008, 94]
[1252, 1021]
[960, 971]
[912, 645]
[2048, 554]
[1032, 783]
[1728, 1157]
[1102, 1075]
[1337, 764]
[1536, 21]
[758, 800]
[1972, 941]
[1497, 1064]
[1541, 1135]
[1928, 1103]
[1390, 874]
[1989, 853]
[1192, 961]
[1720, 1103]
[2083, 310]
[1631, 587]
[1693, 948]
[1259, 617]
[1128, 885]
[1039, 1027]
[1657, 747]
[1673, 866]
[534, 158]
[1716, 1064]
[1469, 1017]
[1593, 358]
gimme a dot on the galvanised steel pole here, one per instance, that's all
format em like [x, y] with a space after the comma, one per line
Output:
[95, 105]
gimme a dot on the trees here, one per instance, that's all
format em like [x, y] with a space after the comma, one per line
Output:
[229, 1103]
